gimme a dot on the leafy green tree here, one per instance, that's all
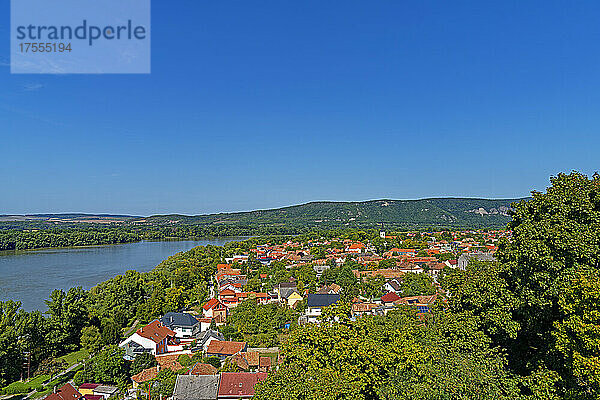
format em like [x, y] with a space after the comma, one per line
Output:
[10, 353]
[68, 315]
[108, 366]
[578, 333]
[417, 285]
[392, 357]
[111, 331]
[482, 291]
[185, 360]
[141, 362]
[91, 339]
[371, 286]
[554, 236]
[163, 385]
[214, 361]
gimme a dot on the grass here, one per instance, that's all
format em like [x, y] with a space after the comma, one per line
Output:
[58, 382]
[75, 357]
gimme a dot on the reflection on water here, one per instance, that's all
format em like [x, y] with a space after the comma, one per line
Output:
[30, 276]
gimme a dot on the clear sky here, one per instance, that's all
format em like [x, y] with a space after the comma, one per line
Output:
[259, 104]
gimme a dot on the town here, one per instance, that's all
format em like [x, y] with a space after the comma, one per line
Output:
[223, 347]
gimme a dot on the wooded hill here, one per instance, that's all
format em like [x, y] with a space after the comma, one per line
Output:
[434, 212]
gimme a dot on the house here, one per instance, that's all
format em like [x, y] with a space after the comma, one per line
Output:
[331, 289]
[66, 392]
[224, 349]
[184, 325]
[320, 269]
[288, 294]
[239, 385]
[192, 387]
[464, 259]
[144, 376]
[105, 391]
[213, 308]
[228, 298]
[359, 309]
[315, 304]
[392, 286]
[355, 248]
[264, 364]
[152, 338]
[387, 273]
[388, 299]
[207, 337]
[203, 369]
[87, 389]
[247, 361]
[168, 361]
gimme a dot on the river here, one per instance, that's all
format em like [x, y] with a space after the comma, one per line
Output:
[30, 276]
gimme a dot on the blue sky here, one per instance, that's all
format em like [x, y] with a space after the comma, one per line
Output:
[259, 104]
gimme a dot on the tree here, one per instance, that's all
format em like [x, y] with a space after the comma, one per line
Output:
[482, 291]
[111, 331]
[163, 384]
[141, 362]
[214, 361]
[10, 354]
[68, 315]
[371, 286]
[91, 339]
[393, 357]
[108, 366]
[554, 236]
[578, 333]
[417, 285]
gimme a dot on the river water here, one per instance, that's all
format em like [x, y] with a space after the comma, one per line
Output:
[30, 276]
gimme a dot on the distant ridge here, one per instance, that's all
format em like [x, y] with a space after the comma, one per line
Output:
[445, 212]
[430, 212]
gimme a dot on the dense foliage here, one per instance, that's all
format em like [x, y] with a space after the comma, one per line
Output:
[526, 327]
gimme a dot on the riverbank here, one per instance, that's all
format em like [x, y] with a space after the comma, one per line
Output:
[30, 276]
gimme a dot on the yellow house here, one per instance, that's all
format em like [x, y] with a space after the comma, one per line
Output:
[293, 299]
[88, 388]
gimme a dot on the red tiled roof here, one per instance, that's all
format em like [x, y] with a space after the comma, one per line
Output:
[253, 358]
[169, 361]
[203, 369]
[155, 331]
[390, 297]
[265, 361]
[237, 384]
[67, 392]
[145, 375]
[357, 246]
[225, 347]
[89, 386]
[211, 303]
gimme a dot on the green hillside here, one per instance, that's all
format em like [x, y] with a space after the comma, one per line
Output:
[435, 212]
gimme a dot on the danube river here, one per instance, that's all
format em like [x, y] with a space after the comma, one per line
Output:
[30, 276]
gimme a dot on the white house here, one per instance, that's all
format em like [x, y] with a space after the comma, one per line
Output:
[152, 338]
[315, 304]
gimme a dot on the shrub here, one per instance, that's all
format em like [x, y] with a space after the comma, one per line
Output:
[184, 360]
[214, 361]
